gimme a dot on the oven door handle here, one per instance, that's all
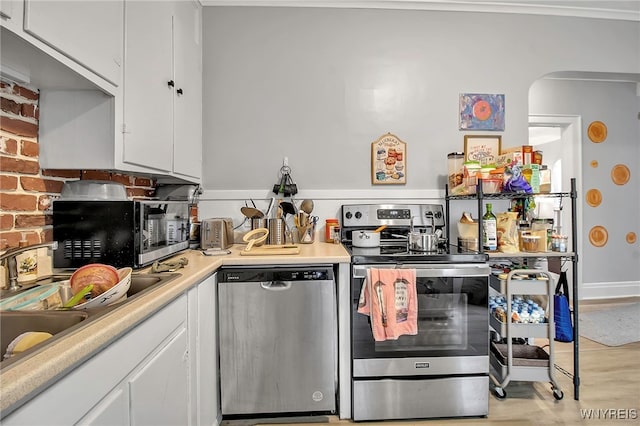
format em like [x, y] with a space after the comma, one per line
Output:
[434, 270]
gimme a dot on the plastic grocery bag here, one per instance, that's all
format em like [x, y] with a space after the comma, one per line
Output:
[561, 311]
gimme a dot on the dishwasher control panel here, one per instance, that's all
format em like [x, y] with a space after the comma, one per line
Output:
[275, 274]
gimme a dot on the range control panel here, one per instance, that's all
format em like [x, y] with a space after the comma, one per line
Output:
[367, 215]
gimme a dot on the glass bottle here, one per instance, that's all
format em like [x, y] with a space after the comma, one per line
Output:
[489, 230]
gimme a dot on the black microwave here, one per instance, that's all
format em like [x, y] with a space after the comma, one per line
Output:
[118, 233]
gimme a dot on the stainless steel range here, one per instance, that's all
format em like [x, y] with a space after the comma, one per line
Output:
[441, 367]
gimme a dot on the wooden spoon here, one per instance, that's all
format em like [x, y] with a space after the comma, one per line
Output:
[306, 206]
[380, 228]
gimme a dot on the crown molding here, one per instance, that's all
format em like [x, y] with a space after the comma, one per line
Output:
[617, 10]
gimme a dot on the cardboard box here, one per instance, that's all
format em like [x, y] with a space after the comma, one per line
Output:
[523, 152]
[508, 159]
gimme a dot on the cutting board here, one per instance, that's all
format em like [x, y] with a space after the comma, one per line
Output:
[271, 250]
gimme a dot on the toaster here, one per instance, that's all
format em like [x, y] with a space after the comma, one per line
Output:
[216, 233]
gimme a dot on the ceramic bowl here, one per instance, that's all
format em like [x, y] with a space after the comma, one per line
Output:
[114, 294]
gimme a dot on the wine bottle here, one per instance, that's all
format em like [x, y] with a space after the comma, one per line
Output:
[489, 230]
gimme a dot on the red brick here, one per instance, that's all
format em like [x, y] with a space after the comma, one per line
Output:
[31, 220]
[41, 185]
[95, 175]
[29, 110]
[44, 202]
[46, 236]
[12, 238]
[139, 193]
[10, 106]
[123, 179]
[29, 149]
[19, 127]
[8, 146]
[8, 183]
[16, 165]
[62, 173]
[25, 93]
[6, 222]
[144, 182]
[18, 202]
[4, 85]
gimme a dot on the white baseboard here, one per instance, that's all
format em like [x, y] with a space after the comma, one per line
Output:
[610, 290]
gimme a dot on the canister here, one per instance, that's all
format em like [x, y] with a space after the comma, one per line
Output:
[455, 164]
[330, 224]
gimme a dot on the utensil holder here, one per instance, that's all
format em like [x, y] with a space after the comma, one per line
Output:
[277, 232]
[258, 223]
[307, 234]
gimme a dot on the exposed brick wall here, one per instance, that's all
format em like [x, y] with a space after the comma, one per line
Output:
[26, 191]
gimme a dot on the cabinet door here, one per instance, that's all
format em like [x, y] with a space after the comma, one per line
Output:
[187, 143]
[89, 32]
[148, 95]
[112, 410]
[160, 390]
[207, 373]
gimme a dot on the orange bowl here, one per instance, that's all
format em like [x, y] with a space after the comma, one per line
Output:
[103, 277]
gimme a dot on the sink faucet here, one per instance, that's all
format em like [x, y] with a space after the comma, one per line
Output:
[10, 257]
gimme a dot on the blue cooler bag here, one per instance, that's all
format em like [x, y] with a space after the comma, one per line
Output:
[561, 311]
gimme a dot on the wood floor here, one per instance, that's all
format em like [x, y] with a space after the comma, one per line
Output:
[610, 380]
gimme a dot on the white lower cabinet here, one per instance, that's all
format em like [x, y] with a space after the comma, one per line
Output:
[112, 410]
[163, 372]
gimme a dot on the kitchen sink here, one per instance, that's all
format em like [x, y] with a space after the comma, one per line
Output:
[14, 323]
[61, 322]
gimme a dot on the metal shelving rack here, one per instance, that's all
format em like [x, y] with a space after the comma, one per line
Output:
[572, 256]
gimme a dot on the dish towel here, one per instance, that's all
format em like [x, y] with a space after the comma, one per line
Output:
[389, 298]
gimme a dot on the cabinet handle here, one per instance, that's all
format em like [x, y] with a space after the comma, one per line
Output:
[179, 92]
[170, 83]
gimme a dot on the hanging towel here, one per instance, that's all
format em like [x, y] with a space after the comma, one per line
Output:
[389, 298]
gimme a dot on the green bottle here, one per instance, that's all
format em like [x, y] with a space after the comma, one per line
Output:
[489, 230]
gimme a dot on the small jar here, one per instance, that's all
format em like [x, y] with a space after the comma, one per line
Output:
[330, 224]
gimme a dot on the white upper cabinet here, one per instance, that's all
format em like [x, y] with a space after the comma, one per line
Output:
[88, 32]
[149, 85]
[163, 86]
[187, 132]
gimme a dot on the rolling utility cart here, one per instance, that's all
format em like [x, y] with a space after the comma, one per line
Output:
[528, 363]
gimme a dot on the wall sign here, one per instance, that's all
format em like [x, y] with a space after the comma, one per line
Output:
[481, 111]
[388, 161]
[482, 148]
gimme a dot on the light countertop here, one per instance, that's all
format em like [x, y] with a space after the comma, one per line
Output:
[21, 381]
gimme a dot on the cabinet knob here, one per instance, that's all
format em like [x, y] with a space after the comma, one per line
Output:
[170, 83]
[179, 92]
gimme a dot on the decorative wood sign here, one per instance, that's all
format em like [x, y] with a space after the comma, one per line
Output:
[388, 161]
[482, 148]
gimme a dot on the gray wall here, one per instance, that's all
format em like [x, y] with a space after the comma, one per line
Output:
[617, 105]
[319, 85]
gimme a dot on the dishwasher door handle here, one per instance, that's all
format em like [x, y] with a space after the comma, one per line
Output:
[276, 285]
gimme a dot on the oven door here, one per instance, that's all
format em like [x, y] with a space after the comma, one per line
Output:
[453, 325]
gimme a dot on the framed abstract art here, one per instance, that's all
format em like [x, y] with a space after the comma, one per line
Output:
[481, 111]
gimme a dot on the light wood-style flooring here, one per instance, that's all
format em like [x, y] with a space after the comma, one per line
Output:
[610, 380]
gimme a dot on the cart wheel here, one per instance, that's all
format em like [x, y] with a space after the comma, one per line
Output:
[557, 394]
[500, 393]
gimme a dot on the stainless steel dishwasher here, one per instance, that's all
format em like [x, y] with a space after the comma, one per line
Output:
[278, 345]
